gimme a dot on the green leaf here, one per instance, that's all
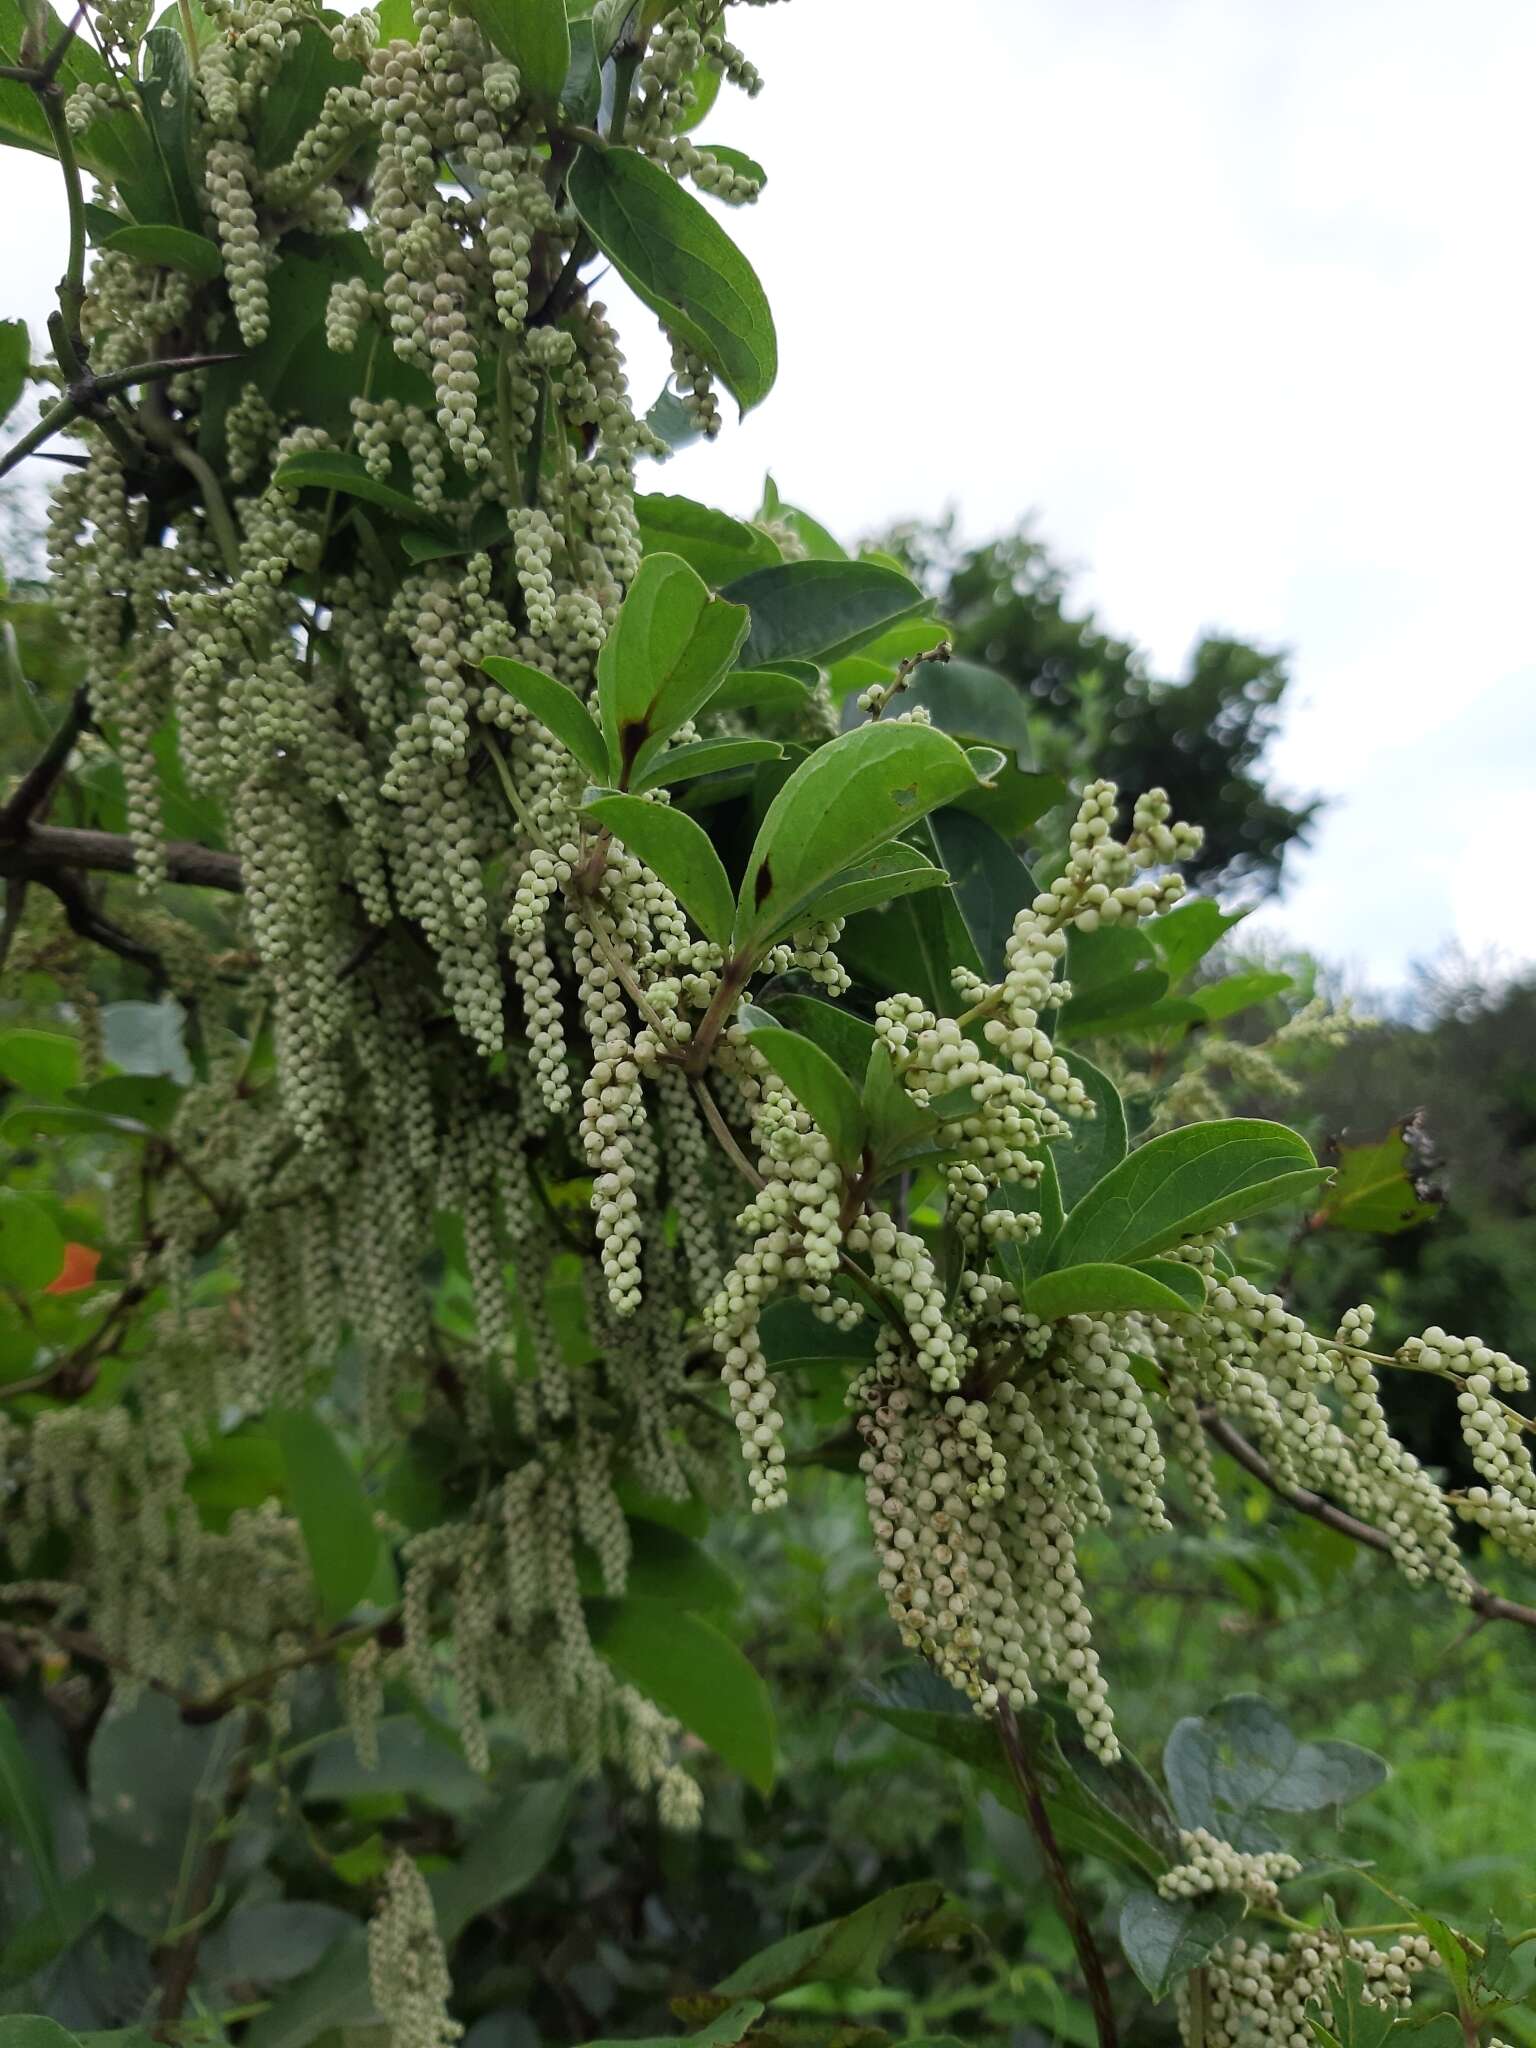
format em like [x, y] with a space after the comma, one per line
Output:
[818, 611]
[31, 2030]
[333, 1511]
[851, 1950]
[1164, 1939]
[711, 542]
[1381, 1188]
[148, 1099]
[912, 945]
[43, 1063]
[1113, 972]
[170, 248]
[1184, 1182]
[581, 96]
[1225, 1767]
[537, 38]
[1015, 800]
[677, 849]
[557, 708]
[696, 1674]
[271, 1942]
[669, 649]
[1111, 1290]
[844, 801]
[724, 2031]
[892, 1117]
[763, 689]
[333, 1994]
[819, 544]
[665, 1564]
[71, 1909]
[1019, 1263]
[31, 1247]
[291, 105]
[504, 1855]
[417, 1760]
[847, 1038]
[24, 1815]
[147, 1823]
[15, 358]
[968, 699]
[1184, 935]
[704, 757]
[1225, 998]
[397, 22]
[317, 469]
[1098, 1143]
[674, 255]
[819, 1085]
[889, 872]
[991, 884]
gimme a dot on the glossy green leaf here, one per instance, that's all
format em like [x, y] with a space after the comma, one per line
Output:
[1110, 1290]
[170, 248]
[504, 1854]
[1164, 1939]
[318, 469]
[32, 2030]
[1184, 935]
[684, 1663]
[41, 1063]
[1113, 972]
[1097, 1143]
[581, 96]
[334, 1515]
[843, 802]
[889, 872]
[31, 1247]
[850, 1950]
[991, 884]
[711, 542]
[535, 35]
[972, 701]
[1015, 800]
[674, 255]
[847, 1038]
[818, 1084]
[664, 1564]
[1235, 992]
[15, 357]
[677, 849]
[764, 689]
[1184, 1182]
[1382, 1188]
[703, 757]
[557, 708]
[817, 611]
[669, 649]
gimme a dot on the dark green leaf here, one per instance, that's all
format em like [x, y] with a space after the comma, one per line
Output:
[1097, 1143]
[505, 1853]
[333, 1994]
[41, 1063]
[674, 254]
[273, 1942]
[318, 469]
[703, 757]
[170, 248]
[893, 1118]
[1015, 800]
[557, 708]
[535, 35]
[291, 104]
[1164, 1939]
[817, 611]
[333, 1511]
[416, 1760]
[1184, 1182]
[1225, 1767]
[724, 2031]
[581, 96]
[1381, 1188]
[844, 801]
[991, 884]
[711, 542]
[669, 649]
[695, 1673]
[819, 544]
[819, 1085]
[852, 1950]
[1110, 1290]
[31, 2030]
[148, 1099]
[968, 699]
[1113, 972]
[15, 357]
[911, 946]
[145, 1824]
[24, 1814]
[846, 1037]
[31, 1247]
[889, 872]
[71, 1909]
[665, 1564]
[680, 852]
[1184, 935]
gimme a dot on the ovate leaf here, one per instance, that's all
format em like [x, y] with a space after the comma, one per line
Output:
[674, 254]
[1112, 1290]
[1227, 1767]
[677, 849]
[31, 1247]
[704, 757]
[333, 1511]
[317, 469]
[711, 542]
[819, 1085]
[1235, 992]
[1184, 935]
[505, 1853]
[991, 884]
[24, 1813]
[1164, 1939]
[41, 1063]
[688, 1667]
[558, 709]
[1186, 1181]
[846, 1037]
[669, 648]
[843, 802]
[819, 611]
[170, 248]
[1382, 1188]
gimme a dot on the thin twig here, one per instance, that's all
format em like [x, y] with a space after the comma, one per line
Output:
[176, 1964]
[1482, 1599]
[37, 785]
[1091, 1963]
[724, 1135]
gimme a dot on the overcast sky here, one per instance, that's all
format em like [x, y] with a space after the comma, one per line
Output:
[1236, 297]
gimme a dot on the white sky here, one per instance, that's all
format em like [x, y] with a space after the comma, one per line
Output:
[1237, 296]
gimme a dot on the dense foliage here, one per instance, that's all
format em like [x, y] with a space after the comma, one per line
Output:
[575, 1039]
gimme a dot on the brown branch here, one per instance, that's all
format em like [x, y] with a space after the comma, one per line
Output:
[1089, 1960]
[46, 850]
[176, 1965]
[40, 780]
[1482, 1599]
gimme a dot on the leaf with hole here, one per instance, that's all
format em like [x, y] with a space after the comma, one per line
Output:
[845, 800]
[1382, 1188]
[667, 653]
[557, 708]
[678, 850]
[674, 255]
[1182, 1183]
